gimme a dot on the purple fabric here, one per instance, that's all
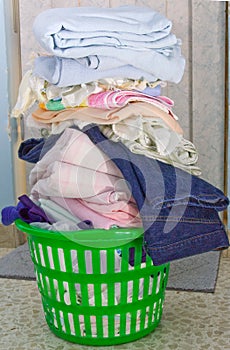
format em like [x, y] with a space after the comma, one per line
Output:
[29, 212]
[132, 256]
[26, 210]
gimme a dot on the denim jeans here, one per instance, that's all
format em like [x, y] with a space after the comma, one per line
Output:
[32, 150]
[179, 211]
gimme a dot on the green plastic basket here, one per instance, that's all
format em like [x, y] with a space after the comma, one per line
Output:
[90, 293]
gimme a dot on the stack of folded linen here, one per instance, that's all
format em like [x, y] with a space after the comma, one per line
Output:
[107, 66]
[127, 41]
[111, 150]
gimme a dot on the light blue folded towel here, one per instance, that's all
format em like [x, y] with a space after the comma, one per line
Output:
[67, 71]
[65, 32]
[133, 20]
[112, 38]
[134, 41]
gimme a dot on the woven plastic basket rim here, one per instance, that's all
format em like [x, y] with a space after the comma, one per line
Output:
[93, 238]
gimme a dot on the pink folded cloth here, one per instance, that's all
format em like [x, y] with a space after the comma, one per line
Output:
[122, 214]
[77, 175]
[119, 98]
[73, 181]
[76, 168]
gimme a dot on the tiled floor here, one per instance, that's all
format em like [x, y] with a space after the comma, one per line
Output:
[191, 320]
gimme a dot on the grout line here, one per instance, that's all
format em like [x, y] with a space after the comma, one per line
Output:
[190, 70]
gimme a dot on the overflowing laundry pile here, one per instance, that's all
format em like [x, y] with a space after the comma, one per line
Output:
[111, 149]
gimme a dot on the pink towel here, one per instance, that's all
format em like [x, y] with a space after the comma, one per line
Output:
[125, 216]
[120, 98]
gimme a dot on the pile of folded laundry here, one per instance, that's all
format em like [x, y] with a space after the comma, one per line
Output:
[111, 150]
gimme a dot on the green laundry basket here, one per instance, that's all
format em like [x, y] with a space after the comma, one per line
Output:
[90, 292]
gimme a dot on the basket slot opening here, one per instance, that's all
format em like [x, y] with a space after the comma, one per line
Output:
[61, 259]
[74, 261]
[47, 284]
[154, 313]
[104, 295]
[55, 282]
[159, 309]
[41, 254]
[66, 295]
[78, 294]
[117, 324]
[105, 327]
[94, 329]
[140, 319]
[141, 288]
[150, 313]
[131, 292]
[128, 323]
[50, 256]
[117, 295]
[103, 262]
[62, 321]
[71, 324]
[158, 282]
[117, 260]
[155, 283]
[91, 294]
[150, 284]
[36, 251]
[88, 262]
[147, 316]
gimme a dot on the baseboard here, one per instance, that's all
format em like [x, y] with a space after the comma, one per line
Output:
[11, 237]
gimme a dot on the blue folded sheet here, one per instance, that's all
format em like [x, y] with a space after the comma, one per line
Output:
[126, 38]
